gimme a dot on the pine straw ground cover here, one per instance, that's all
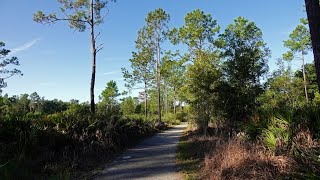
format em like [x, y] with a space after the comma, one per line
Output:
[219, 157]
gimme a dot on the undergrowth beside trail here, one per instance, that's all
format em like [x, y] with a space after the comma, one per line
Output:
[216, 156]
[39, 149]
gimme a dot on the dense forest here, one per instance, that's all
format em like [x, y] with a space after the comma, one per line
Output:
[245, 122]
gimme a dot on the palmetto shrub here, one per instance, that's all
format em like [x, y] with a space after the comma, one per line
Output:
[276, 135]
[43, 141]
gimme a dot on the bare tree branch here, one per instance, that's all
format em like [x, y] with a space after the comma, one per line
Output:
[97, 37]
[99, 49]
[65, 19]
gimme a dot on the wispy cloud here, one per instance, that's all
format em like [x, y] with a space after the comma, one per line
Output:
[111, 72]
[24, 47]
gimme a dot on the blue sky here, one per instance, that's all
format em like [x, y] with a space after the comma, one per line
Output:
[56, 60]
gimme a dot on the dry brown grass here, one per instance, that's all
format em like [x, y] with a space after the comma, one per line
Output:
[304, 138]
[234, 159]
[216, 156]
[191, 152]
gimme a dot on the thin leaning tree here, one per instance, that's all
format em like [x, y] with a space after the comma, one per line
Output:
[80, 14]
[299, 42]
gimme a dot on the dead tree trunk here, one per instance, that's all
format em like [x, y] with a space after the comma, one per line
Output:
[94, 51]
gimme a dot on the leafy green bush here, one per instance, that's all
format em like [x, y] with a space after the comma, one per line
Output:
[182, 116]
[170, 119]
[135, 116]
[34, 115]
[316, 99]
[310, 115]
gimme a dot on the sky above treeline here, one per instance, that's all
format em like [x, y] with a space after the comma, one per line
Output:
[56, 60]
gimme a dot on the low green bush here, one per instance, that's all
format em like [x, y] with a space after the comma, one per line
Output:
[63, 138]
[182, 116]
[170, 119]
[276, 135]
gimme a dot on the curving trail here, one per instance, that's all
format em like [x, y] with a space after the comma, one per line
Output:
[154, 158]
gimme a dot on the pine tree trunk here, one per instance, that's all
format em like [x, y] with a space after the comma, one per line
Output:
[313, 13]
[304, 78]
[174, 100]
[93, 46]
[165, 98]
[158, 80]
[167, 102]
[145, 101]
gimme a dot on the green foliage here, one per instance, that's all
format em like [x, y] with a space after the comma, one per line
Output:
[56, 132]
[311, 79]
[245, 63]
[197, 32]
[108, 104]
[174, 78]
[299, 39]
[170, 119]
[110, 93]
[276, 135]
[157, 31]
[310, 115]
[182, 116]
[245, 52]
[270, 140]
[283, 90]
[5, 63]
[142, 64]
[316, 99]
[62, 138]
[299, 42]
[203, 76]
[157, 26]
[279, 127]
[128, 106]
